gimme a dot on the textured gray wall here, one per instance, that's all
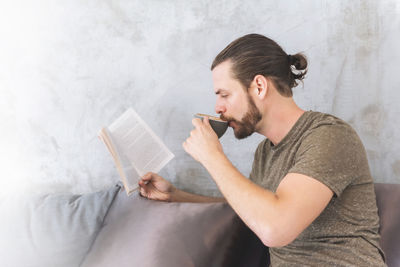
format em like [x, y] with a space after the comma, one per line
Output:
[70, 67]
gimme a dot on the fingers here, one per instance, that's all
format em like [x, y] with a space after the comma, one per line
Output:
[145, 179]
[142, 183]
[144, 186]
[196, 122]
[150, 192]
[143, 192]
[207, 122]
[147, 176]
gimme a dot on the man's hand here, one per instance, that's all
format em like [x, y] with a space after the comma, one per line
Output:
[155, 187]
[203, 142]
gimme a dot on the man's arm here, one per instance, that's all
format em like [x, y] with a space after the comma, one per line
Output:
[155, 187]
[182, 196]
[276, 218]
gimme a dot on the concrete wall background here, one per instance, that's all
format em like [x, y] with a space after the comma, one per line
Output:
[68, 68]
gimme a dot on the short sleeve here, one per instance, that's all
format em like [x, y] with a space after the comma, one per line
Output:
[332, 154]
[257, 155]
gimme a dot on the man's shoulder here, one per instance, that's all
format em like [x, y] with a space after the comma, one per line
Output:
[319, 122]
[331, 132]
[320, 119]
[315, 128]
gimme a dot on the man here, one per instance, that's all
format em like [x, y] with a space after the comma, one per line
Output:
[310, 196]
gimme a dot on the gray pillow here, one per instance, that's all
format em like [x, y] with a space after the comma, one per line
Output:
[51, 230]
[146, 233]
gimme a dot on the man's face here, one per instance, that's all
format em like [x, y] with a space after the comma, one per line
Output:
[234, 104]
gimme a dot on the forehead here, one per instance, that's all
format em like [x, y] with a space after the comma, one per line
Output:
[222, 78]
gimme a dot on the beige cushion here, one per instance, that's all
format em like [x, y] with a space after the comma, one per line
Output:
[388, 201]
[146, 233]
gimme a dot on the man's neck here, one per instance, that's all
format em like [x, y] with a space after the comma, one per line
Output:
[279, 120]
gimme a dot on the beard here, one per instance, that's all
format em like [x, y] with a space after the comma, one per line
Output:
[247, 126]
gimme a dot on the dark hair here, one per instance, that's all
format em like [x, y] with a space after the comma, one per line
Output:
[255, 54]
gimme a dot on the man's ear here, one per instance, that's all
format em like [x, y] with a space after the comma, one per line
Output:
[260, 86]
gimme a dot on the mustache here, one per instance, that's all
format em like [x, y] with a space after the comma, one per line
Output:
[228, 119]
[222, 117]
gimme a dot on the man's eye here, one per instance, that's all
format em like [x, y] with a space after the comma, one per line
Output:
[224, 96]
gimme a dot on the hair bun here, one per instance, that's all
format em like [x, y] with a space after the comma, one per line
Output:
[298, 68]
[298, 60]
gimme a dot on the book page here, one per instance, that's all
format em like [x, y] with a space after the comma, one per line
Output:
[124, 168]
[141, 149]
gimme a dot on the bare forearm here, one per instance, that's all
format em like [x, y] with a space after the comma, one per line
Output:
[242, 194]
[182, 196]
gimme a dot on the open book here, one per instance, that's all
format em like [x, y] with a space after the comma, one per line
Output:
[135, 148]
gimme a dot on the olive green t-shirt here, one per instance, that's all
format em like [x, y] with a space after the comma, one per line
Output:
[327, 149]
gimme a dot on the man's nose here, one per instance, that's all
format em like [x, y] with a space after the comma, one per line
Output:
[219, 109]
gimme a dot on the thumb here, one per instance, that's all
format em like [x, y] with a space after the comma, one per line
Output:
[147, 177]
[143, 191]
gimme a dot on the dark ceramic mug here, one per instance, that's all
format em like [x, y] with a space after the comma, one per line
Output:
[219, 126]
